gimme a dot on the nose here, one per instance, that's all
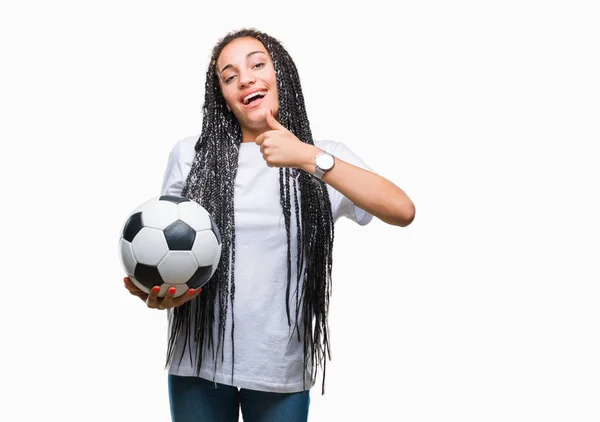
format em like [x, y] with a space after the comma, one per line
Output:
[246, 79]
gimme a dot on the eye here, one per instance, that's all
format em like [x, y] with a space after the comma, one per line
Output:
[229, 79]
[259, 65]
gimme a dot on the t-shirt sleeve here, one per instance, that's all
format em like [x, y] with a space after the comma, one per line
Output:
[340, 204]
[173, 178]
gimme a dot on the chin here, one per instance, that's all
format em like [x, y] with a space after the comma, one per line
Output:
[254, 123]
[255, 115]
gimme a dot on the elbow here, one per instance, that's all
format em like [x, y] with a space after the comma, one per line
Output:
[401, 215]
[396, 209]
[407, 215]
[404, 214]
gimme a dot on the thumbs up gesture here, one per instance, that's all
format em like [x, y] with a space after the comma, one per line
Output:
[281, 148]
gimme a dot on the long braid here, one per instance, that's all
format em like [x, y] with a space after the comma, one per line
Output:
[317, 227]
[211, 183]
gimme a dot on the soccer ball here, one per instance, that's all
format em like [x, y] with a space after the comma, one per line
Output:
[170, 241]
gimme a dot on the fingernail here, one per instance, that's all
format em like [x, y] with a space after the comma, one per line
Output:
[172, 290]
[199, 290]
[191, 292]
[156, 289]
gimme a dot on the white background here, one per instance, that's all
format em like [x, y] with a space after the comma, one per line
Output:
[486, 308]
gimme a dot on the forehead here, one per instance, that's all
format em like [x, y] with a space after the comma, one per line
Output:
[236, 51]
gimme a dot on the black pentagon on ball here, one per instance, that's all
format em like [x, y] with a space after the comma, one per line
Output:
[180, 236]
[173, 198]
[132, 226]
[200, 277]
[148, 275]
[215, 230]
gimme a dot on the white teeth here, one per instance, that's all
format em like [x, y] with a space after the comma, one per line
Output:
[254, 94]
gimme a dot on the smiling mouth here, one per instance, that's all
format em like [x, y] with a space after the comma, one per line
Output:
[248, 99]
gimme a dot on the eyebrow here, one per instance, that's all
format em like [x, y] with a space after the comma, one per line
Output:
[247, 57]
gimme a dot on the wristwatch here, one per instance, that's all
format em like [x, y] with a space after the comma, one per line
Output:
[324, 162]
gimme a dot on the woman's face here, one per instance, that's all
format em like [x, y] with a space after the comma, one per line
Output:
[248, 83]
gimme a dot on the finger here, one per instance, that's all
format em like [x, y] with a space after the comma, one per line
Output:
[187, 296]
[142, 295]
[134, 290]
[261, 139]
[152, 299]
[167, 301]
[130, 285]
[273, 123]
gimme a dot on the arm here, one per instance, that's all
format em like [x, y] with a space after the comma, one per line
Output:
[367, 190]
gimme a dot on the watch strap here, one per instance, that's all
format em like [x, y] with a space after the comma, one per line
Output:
[318, 173]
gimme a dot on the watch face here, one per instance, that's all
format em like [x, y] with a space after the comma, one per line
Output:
[325, 161]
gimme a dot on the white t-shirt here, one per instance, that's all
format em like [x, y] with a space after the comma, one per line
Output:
[267, 357]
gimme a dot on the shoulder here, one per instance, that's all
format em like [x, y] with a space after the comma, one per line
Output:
[333, 147]
[178, 166]
[329, 145]
[184, 149]
[341, 150]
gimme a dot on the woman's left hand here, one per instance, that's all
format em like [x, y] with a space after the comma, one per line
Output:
[281, 148]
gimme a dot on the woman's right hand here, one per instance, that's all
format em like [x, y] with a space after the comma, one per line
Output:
[153, 301]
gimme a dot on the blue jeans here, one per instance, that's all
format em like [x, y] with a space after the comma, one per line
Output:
[194, 399]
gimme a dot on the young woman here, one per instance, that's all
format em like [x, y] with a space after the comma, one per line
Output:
[257, 334]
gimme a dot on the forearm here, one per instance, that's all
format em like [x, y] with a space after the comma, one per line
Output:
[367, 190]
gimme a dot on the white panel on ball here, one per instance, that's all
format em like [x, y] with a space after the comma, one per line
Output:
[149, 246]
[205, 247]
[159, 214]
[127, 258]
[177, 267]
[194, 215]
[146, 205]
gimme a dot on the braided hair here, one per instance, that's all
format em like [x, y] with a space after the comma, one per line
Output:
[211, 183]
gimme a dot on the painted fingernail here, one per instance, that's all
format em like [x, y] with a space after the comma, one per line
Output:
[191, 292]
[199, 290]
[156, 289]
[172, 290]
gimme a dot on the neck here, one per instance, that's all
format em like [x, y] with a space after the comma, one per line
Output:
[250, 135]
